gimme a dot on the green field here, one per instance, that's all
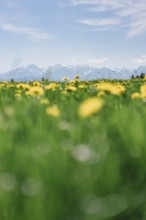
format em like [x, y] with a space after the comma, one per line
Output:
[63, 160]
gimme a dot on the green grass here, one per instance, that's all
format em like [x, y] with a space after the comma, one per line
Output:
[69, 168]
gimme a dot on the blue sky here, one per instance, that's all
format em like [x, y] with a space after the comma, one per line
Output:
[108, 33]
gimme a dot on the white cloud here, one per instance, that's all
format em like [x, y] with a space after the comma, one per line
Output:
[100, 22]
[98, 9]
[130, 12]
[25, 25]
[141, 60]
[101, 3]
[137, 25]
[97, 62]
[136, 29]
[28, 32]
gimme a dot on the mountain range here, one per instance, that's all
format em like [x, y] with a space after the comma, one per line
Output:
[58, 72]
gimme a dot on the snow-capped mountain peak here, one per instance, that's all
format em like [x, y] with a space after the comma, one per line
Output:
[58, 72]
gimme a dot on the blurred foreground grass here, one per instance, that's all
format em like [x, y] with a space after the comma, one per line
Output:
[57, 165]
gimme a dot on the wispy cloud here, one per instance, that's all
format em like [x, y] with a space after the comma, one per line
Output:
[11, 3]
[97, 62]
[89, 2]
[131, 13]
[100, 22]
[30, 33]
[136, 28]
[141, 60]
[21, 23]
[115, 3]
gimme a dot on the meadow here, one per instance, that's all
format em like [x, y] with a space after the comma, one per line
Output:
[73, 150]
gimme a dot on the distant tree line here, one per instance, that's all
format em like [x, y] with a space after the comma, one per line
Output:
[141, 76]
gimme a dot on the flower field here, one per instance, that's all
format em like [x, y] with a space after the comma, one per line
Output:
[73, 150]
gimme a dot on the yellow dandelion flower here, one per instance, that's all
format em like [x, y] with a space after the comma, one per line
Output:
[36, 83]
[77, 76]
[136, 95]
[18, 91]
[107, 87]
[2, 85]
[101, 94]
[143, 95]
[53, 111]
[44, 101]
[96, 85]
[36, 91]
[64, 92]
[66, 79]
[5, 82]
[118, 90]
[51, 86]
[143, 91]
[27, 87]
[27, 93]
[17, 95]
[71, 88]
[143, 88]
[10, 86]
[20, 86]
[90, 106]
[110, 88]
[71, 82]
[82, 86]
